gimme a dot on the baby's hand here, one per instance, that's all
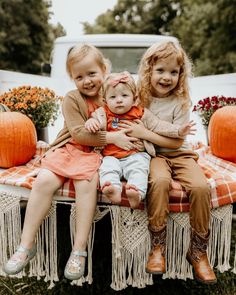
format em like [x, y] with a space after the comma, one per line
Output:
[187, 129]
[139, 145]
[92, 125]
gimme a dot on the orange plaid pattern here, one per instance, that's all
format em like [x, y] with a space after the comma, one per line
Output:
[221, 176]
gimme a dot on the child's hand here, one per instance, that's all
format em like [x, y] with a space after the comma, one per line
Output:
[187, 129]
[139, 145]
[92, 125]
[136, 128]
[123, 141]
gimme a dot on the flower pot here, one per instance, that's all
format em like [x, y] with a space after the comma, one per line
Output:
[42, 134]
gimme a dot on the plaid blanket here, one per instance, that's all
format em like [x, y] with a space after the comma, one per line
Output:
[221, 176]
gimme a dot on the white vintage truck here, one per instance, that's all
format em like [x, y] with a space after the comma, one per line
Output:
[124, 52]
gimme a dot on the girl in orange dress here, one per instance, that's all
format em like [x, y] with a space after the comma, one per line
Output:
[71, 156]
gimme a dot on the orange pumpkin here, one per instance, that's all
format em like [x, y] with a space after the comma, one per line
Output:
[17, 139]
[222, 133]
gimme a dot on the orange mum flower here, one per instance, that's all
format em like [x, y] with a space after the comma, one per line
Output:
[41, 105]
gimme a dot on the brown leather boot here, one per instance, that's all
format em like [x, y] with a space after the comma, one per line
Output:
[156, 261]
[197, 257]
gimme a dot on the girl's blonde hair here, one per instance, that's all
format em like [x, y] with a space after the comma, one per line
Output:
[78, 52]
[115, 78]
[151, 56]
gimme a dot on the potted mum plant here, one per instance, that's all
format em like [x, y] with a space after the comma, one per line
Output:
[207, 106]
[41, 105]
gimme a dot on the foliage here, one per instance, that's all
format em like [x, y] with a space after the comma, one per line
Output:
[205, 28]
[26, 37]
[207, 106]
[128, 17]
[41, 105]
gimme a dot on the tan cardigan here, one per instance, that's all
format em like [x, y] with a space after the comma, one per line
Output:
[150, 121]
[75, 112]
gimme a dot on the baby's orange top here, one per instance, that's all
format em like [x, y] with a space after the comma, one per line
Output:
[136, 112]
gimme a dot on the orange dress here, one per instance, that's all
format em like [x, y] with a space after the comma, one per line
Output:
[73, 160]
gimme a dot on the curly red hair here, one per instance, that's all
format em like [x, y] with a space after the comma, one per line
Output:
[161, 51]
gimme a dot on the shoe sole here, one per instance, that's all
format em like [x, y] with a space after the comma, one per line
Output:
[205, 282]
[17, 271]
[72, 278]
[75, 277]
[154, 272]
[198, 279]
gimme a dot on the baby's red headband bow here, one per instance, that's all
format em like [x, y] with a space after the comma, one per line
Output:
[122, 78]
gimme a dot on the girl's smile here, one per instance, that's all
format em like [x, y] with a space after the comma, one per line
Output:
[165, 76]
[88, 76]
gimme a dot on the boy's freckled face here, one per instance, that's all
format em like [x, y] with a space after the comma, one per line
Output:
[119, 99]
[88, 76]
[165, 76]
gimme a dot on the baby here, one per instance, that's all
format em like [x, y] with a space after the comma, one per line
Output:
[129, 163]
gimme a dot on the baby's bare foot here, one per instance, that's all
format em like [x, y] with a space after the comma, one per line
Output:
[133, 196]
[112, 193]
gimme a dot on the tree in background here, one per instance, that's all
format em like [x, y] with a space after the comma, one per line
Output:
[26, 37]
[137, 17]
[205, 28]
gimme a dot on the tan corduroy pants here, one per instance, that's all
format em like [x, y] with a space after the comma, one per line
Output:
[182, 167]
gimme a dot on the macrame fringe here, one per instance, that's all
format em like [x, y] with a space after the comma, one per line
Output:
[130, 243]
[10, 229]
[220, 238]
[45, 263]
[129, 261]
[178, 238]
[177, 246]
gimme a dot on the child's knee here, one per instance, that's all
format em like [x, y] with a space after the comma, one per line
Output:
[201, 193]
[159, 182]
[203, 189]
[42, 183]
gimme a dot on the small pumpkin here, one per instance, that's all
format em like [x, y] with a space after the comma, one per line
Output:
[222, 133]
[4, 108]
[17, 139]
